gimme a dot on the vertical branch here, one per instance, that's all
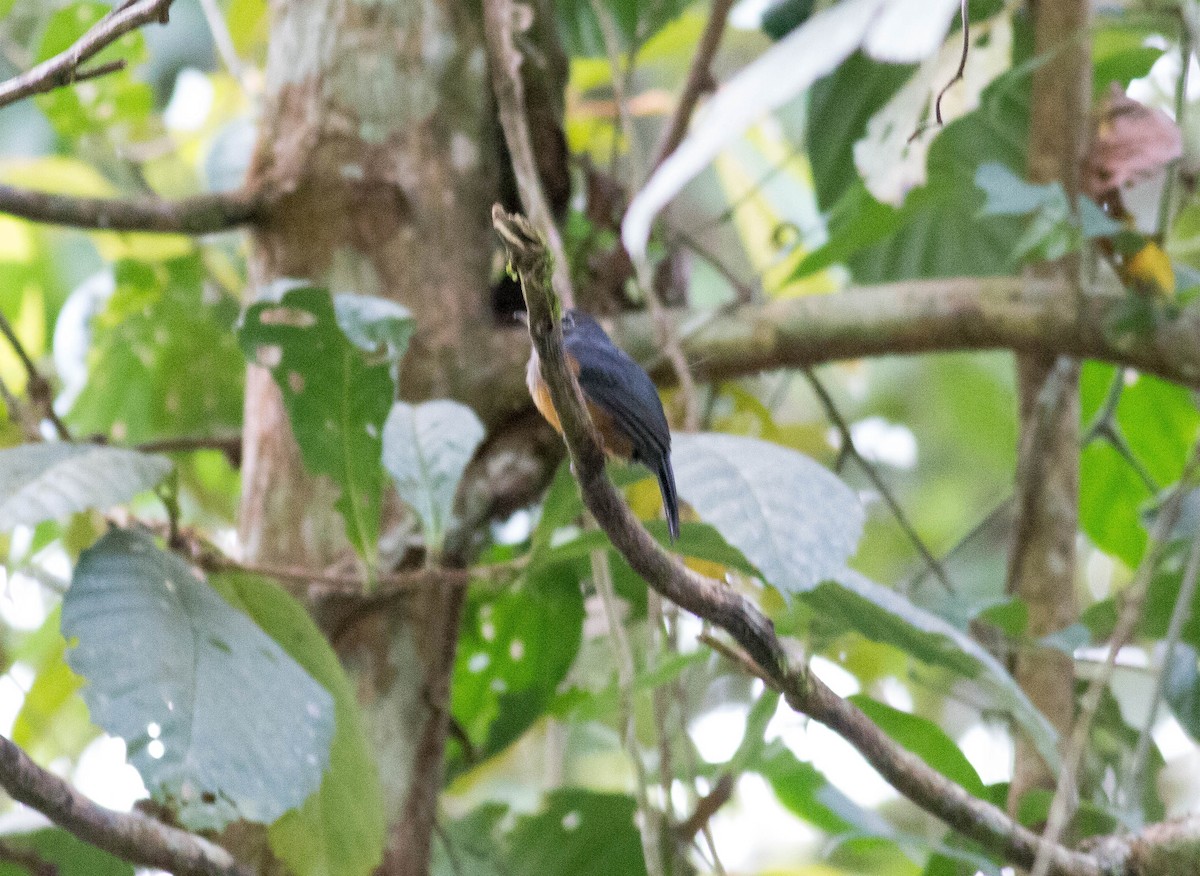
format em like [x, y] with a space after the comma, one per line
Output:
[1041, 567]
[650, 833]
[502, 23]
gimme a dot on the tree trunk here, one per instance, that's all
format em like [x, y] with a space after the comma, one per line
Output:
[1042, 563]
[375, 131]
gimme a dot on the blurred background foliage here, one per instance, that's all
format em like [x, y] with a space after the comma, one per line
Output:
[139, 334]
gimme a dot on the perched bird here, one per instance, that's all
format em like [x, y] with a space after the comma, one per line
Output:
[621, 399]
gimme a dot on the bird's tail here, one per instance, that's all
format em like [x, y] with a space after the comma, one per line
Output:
[666, 485]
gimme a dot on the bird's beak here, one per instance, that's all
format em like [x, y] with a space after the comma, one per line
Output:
[522, 317]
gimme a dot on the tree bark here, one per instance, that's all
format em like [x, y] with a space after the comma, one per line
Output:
[375, 134]
[1042, 561]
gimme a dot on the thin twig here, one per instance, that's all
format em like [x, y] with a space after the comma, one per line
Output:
[1131, 612]
[63, 68]
[708, 806]
[132, 836]
[962, 63]
[876, 479]
[1179, 615]
[222, 38]
[1166, 202]
[698, 82]
[623, 654]
[37, 386]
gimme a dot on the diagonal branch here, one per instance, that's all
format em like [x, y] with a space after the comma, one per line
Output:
[732, 612]
[63, 68]
[131, 836]
[202, 214]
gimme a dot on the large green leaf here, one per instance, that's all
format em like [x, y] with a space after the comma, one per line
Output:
[219, 720]
[341, 829]
[1111, 497]
[51, 481]
[579, 833]
[426, 449]
[926, 740]
[883, 615]
[337, 396]
[791, 517]
[69, 856]
[471, 844]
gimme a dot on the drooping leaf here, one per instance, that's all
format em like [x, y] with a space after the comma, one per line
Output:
[51, 481]
[579, 833]
[337, 397]
[341, 829]
[883, 615]
[218, 719]
[791, 517]
[1111, 497]
[68, 855]
[926, 740]
[426, 449]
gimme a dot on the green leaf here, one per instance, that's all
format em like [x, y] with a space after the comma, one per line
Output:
[636, 21]
[470, 845]
[1111, 496]
[426, 449]
[803, 789]
[51, 481]
[926, 740]
[579, 833]
[513, 652]
[883, 615]
[163, 360]
[219, 720]
[1182, 687]
[791, 517]
[340, 830]
[839, 107]
[336, 397]
[68, 855]
[53, 720]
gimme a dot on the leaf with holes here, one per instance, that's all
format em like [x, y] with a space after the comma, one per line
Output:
[221, 723]
[337, 396]
[789, 516]
[52, 481]
[426, 449]
[579, 833]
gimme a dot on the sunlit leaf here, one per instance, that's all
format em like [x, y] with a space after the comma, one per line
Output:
[221, 723]
[51, 481]
[66, 854]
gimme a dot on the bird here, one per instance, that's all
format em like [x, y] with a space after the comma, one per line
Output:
[621, 398]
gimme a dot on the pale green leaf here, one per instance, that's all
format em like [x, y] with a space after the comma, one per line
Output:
[221, 723]
[426, 449]
[51, 481]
